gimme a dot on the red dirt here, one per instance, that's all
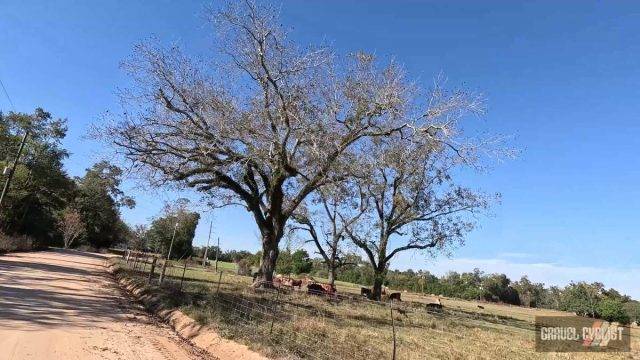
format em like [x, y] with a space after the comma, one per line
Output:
[63, 305]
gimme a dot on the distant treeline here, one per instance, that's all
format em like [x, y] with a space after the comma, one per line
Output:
[584, 299]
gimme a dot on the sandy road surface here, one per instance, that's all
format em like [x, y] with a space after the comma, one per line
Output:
[63, 305]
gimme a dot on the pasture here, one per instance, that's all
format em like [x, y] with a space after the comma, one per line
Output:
[293, 324]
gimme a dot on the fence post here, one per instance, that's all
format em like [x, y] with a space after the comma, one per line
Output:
[219, 280]
[164, 269]
[393, 326]
[275, 307]
[153, 267]
[184, 270]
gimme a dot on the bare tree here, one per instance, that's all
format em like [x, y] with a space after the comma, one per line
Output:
[71, 226]
[410, 180]
[332, 210]
[272, 126]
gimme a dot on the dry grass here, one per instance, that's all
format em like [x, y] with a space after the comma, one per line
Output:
[311, 327]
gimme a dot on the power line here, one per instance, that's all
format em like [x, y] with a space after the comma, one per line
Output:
[7, 95]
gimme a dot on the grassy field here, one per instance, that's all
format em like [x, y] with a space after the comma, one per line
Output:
[294, 324]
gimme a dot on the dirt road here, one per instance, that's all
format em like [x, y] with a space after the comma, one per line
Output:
[63, 305]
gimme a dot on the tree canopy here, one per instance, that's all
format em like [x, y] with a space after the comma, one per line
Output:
[99, 200]
[183, 221]
[40, 187]
[276, 124]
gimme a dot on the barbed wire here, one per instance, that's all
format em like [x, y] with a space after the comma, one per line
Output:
[274, 314]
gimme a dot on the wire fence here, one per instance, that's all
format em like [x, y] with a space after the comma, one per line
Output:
[292, 322]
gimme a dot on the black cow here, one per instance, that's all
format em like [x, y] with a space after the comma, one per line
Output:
[366, 292]
[315, 289]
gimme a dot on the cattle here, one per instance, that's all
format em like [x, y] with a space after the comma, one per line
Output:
[366, 292]
[434, 304]
[280, 280]
[395, 296]
[321, 289]
[296, 283]
[315, 289]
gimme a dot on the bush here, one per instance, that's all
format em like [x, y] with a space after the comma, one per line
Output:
[15, 243]
[613, 310]
[244, 267]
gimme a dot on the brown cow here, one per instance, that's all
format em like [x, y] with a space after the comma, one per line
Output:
[395, 296]
[434, 304]
[296, 283]
[321, 289]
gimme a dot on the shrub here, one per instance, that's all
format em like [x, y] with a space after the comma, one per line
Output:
[613, 310]
[15, 243]
[244, 267]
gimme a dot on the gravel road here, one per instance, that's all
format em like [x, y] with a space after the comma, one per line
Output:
[64, 305]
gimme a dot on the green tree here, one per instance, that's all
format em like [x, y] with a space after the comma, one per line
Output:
[633, 310]
[613, 310]
[497, 287]
[40, 188]
[99, 201]
[531, 294]
[162, 229]
[581, 298]
[296, 262]
[552, 298]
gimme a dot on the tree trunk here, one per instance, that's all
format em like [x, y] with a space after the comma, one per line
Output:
[378, 281]
[332, 275]
[270, 254]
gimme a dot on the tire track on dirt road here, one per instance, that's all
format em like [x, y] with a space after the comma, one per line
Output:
[64, 305]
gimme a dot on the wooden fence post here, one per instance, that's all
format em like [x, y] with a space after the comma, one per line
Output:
[219, 280]
[164, 269]
[393, 326]
[184, 270]
[153, 267]
[275, 308]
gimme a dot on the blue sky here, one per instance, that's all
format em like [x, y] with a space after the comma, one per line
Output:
[561, 77]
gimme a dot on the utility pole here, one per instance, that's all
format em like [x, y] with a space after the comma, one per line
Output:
[206, 250]
[217, 252]
[164, 266]
[5, 189]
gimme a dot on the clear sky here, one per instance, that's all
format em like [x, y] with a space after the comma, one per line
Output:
[562, 77]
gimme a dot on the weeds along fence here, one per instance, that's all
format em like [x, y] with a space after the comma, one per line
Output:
[292, 323]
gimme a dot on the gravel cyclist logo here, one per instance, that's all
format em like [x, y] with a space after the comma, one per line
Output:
[578, 334]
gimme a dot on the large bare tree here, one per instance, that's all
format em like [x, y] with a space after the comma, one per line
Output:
[411, 180]
[265, 128]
